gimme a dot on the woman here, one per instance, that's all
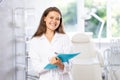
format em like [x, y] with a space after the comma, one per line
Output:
[49, 39]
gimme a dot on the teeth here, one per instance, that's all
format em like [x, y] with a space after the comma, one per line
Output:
[52, 24]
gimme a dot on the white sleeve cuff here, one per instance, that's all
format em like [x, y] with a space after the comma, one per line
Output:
[67, 67]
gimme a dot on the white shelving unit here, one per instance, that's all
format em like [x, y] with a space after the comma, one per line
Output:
[22, 20]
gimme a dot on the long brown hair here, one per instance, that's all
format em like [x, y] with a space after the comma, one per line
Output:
[42, 26]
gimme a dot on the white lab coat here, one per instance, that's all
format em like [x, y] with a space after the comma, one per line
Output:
[40, 52]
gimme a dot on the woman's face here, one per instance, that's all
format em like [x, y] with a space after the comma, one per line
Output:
[52, 20]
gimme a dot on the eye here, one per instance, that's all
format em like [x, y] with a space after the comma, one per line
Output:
[51, 17]
[58, 19]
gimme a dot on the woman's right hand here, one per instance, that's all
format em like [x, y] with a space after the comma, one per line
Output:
[57, 61]
[54, 60]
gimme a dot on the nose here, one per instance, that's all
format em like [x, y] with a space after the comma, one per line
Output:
[54, 20]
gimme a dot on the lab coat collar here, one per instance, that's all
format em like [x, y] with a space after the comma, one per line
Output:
[57, 35]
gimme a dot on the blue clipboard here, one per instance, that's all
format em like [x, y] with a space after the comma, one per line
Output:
[63, 57]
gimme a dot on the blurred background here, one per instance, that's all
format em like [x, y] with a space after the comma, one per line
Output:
[20, 18]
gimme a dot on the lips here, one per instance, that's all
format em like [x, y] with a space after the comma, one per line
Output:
[52, 24]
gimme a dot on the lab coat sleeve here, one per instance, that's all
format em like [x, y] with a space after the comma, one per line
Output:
[36, 59]
[67, 49]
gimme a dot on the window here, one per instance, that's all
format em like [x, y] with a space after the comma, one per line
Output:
[96, 22]
[115, 18]
[74, 14]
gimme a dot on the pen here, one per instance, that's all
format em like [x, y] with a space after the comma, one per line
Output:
[56, 53]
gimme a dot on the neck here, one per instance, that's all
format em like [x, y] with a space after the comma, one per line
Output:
[49, 35]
